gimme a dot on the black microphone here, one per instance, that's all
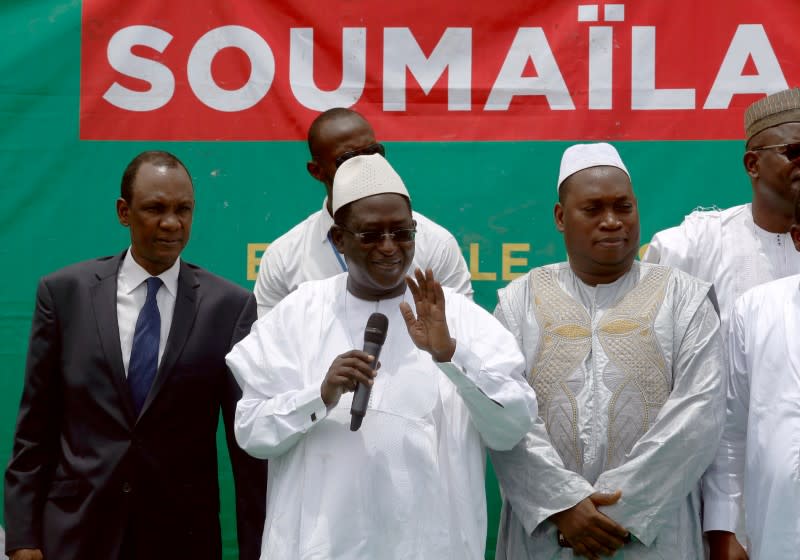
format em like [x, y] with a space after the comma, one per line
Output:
[374, 337]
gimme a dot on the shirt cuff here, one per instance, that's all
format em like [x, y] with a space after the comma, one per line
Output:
[459, 365]
[309, 405]
[720, 515]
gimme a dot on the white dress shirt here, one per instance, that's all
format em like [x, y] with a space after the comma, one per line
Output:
[131, 295]
[305, 253]
[760, 450]
[410, 482]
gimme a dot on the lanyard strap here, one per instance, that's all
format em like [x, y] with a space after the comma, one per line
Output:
[336, 253]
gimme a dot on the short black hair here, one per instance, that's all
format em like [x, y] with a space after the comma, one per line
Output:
[153, 157]
[322, 119]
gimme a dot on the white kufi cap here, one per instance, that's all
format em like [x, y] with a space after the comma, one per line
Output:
[363, 176]
[583, 156]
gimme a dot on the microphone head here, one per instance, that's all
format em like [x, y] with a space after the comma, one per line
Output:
[377, 325]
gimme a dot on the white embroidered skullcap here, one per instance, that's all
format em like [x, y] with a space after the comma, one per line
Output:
[583, 156]
[363, 176]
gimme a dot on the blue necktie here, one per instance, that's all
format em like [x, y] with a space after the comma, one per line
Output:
[144, 352]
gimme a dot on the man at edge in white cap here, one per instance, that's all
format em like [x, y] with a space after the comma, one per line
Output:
[739, 248]
[625, 361]
[410, 482]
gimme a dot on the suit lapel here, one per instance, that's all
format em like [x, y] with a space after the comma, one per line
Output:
[182, 321]
[104, 304]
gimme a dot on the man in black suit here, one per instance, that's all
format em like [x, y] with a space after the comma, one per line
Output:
[115, 448]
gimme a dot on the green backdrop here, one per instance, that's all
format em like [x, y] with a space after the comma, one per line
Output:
[58, 193]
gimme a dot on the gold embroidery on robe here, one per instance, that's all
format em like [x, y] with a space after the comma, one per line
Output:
[566, 339]
[636, 375]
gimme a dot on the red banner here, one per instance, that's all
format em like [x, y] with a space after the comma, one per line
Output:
[452, 70]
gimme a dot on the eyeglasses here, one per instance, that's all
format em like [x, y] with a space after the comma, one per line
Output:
[366, 238]
[376, 148]
[791, 151]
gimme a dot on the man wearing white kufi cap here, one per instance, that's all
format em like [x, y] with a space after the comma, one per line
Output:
[625, 361]
[410, 482]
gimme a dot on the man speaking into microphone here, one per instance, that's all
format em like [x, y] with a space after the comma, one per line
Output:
[409, 483]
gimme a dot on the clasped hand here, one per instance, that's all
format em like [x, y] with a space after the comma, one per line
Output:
[590, 533]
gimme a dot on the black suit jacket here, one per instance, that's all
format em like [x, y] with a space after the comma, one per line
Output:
[86, 474]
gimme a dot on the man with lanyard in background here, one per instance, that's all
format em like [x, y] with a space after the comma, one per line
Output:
[306, 252]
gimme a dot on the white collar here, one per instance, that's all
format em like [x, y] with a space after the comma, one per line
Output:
[761, 232]
[131, 274]
[611, 286]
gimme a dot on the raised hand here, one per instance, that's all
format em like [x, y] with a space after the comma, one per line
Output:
[428, 329]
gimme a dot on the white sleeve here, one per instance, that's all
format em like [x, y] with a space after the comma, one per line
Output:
[449, 266]
[270, 286]
[673, 247]
[487, 372]
[723, 483]
[277, 407]
[683, 439]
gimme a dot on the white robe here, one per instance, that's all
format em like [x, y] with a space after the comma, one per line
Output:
[726, 248]
[410, 483]
[631, 396]
[760, 449]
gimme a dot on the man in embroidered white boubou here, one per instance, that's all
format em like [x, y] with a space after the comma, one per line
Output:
[626, 363]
